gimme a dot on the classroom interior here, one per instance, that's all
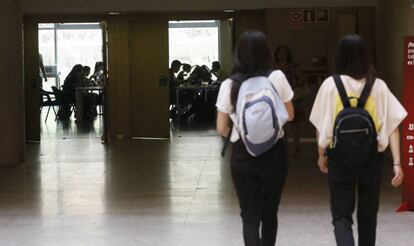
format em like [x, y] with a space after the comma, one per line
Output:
[120, 162]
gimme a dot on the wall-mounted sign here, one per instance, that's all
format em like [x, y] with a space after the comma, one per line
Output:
[408, 126]
[322, 15]
[309, 16]
[296, 16]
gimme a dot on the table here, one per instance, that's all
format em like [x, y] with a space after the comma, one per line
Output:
[79, 98]
[188, 88]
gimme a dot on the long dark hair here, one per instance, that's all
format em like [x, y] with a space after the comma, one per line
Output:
[71, 79]
[252, 58]
[353, 58]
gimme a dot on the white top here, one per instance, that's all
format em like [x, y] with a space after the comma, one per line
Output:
[224, 105]
[384, 108]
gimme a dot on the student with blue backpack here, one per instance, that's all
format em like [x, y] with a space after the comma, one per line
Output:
[253, 105]
[356, 117]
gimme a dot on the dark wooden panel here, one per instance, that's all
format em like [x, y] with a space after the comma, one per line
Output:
[31, 80]
[148, 63]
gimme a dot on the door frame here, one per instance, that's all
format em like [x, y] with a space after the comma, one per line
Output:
[31, 67]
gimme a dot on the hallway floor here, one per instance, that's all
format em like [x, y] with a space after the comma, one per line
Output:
[76, 191]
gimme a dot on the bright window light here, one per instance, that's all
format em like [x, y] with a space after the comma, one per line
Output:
[194, 42]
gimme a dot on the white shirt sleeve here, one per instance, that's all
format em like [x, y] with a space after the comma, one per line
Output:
[223, 103]
[282, 85]
[322, 113]
[393, 114]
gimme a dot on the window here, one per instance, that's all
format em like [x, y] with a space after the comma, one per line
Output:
[63, 45]
[194, 42]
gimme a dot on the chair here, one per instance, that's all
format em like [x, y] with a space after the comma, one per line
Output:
[61, 101]
[46, 101]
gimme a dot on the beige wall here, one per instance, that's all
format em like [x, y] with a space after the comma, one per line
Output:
[395, 19]
[281, 31]
[11, 94]
[93, 6]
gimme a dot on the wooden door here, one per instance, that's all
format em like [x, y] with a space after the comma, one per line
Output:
[149, 78]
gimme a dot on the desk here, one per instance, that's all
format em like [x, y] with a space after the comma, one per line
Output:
[79, 98]
[188, 88]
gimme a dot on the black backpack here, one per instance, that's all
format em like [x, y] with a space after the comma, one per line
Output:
[355, 141]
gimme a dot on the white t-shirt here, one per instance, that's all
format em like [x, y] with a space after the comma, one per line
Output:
[224, 105]
[384, 108]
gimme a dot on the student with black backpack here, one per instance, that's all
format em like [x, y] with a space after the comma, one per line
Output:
[258, 102]
[356, 117]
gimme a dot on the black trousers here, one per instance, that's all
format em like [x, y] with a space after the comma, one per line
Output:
[259, 182]
[344, 186]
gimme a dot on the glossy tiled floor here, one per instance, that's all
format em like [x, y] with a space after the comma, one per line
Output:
[73, 190]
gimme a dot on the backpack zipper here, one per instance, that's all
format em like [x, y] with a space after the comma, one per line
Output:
[339, 124]
[366, 130]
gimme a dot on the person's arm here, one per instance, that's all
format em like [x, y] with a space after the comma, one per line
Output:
[222, 124]
[395, 151]
[290, 110]
[322, 159]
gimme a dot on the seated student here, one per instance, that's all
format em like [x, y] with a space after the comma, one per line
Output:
[97, 78]
[86, 70]
[174, 68]
[73, 79]
[184, 74]
[200, 74]
[217, 72]
[98, 73]
[89, 99]
[68, 94]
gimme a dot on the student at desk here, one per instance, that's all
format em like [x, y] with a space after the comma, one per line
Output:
[89, 99]
[219, 74]
[184, 74]
[98, 73]
[73, 79]
[86, 70]
[68, 93]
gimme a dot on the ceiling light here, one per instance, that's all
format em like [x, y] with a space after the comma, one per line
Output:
[229, 11]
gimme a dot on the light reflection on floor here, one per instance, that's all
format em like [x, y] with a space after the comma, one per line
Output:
[73, 190]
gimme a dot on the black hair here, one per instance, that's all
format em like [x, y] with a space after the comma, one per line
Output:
[288, 53]
[186, 67]
[176, 63]
[215, 64]
[252, 58]
[353, 58]
[76, 69]
[86, 68]
[98, 66]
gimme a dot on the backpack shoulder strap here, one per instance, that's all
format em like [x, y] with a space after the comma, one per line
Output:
[365, 93]
[342, 92]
